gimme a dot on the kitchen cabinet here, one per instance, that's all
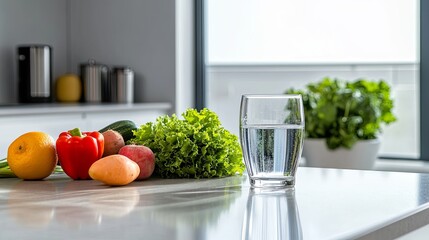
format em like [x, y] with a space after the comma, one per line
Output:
[55, 118]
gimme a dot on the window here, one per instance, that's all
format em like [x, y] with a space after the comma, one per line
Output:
[255, 46]
[311, 31]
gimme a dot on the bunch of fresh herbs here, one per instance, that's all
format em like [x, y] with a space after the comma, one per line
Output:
[344, 112]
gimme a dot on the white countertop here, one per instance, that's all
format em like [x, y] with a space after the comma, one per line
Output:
[44, 108]
[326, 204]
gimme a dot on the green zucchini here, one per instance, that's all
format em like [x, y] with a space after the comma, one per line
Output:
[123, 127]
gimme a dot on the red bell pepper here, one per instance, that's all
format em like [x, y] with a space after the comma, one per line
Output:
[77, 151]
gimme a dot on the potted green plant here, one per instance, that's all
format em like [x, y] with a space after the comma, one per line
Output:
[343, 121]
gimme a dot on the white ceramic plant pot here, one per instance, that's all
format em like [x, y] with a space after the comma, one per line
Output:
[361, 156]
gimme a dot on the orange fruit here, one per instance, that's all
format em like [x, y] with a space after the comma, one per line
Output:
[114, 170]
[32, 156]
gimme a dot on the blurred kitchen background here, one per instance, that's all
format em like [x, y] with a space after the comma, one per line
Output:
[139, 34]
[251, 46]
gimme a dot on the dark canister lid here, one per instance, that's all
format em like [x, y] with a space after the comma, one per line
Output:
[122, 69]
[37, 45]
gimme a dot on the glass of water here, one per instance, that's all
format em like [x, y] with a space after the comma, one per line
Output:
[272, 137]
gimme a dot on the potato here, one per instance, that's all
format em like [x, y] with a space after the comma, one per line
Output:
[113, 141]
[114, 170]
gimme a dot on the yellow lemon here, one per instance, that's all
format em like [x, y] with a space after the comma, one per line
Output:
[32, 156]
[68, 88]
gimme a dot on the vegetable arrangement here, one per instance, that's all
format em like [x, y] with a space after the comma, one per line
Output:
[345, 112]
[196, 146]
[77, 151]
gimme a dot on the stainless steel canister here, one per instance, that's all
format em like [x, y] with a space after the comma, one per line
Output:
[122, 85]
[35, 73]
[95, 80]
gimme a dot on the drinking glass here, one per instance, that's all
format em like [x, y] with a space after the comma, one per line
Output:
[272, 137]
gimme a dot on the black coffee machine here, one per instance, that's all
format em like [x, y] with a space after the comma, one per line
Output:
[35, 73]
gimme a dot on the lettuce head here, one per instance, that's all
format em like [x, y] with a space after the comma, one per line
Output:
[196, 146]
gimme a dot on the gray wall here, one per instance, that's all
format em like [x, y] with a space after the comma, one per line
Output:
[24, 22]
[136, 33]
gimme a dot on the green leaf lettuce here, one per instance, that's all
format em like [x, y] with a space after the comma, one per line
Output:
[196, 146]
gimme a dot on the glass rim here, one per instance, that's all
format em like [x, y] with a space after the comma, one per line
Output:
[272, 95]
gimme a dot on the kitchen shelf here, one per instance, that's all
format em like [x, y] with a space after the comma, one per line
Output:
[61, 108]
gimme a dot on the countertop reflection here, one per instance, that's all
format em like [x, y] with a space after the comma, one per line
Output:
[272, 214]
[325, 204]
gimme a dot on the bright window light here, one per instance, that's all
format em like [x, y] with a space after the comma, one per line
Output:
[312, 31]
